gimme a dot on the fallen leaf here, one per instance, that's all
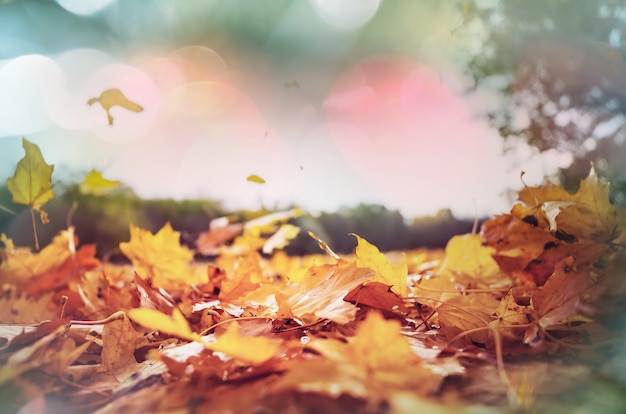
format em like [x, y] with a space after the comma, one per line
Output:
[118, 346]
[321, 293]
[161, 258]
[248, 350]
[376, 295]
[175, 325]
[368, 255]
[466, 255]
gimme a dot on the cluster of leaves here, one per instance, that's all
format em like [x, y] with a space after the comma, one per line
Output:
[258, 330]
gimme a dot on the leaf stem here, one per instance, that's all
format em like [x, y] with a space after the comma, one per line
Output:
[32, 217]
[113, 317]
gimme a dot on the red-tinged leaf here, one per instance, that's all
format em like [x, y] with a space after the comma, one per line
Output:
[563, 297]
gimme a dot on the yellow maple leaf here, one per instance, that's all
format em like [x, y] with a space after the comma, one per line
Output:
[95, 184]
[368, 255]
[31, 183]
[160, 258]
[249, 350]
[175, 325]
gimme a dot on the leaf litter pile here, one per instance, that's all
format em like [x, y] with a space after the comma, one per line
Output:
[523, 316]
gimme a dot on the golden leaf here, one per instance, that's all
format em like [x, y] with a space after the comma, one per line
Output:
[249, 350]
[368, 255]
[175, 325]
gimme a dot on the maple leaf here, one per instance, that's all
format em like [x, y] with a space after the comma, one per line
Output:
[249, 350]
[31, 183]
[368, 255]
[322, 291]
[95, 184]
[161, 258]
[114, 97]
[175, 325]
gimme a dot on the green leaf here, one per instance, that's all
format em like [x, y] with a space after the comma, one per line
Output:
[31, 183]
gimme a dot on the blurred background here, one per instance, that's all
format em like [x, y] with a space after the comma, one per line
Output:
[402, 121]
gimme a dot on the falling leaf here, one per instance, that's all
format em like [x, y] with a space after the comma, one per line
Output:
[249, 350]
[161, 258]
[368, 255]
[95, 184]
[175, 325]
[31, 183]
[253, 178]
[114, 97]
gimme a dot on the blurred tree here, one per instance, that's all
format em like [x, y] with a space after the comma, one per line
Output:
[559, 64]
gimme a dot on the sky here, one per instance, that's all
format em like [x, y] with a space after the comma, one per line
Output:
[332, 103]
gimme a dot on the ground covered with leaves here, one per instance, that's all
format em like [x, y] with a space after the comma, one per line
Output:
[525, 315]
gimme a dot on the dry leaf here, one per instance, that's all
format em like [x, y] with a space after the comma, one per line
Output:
[246, 349]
